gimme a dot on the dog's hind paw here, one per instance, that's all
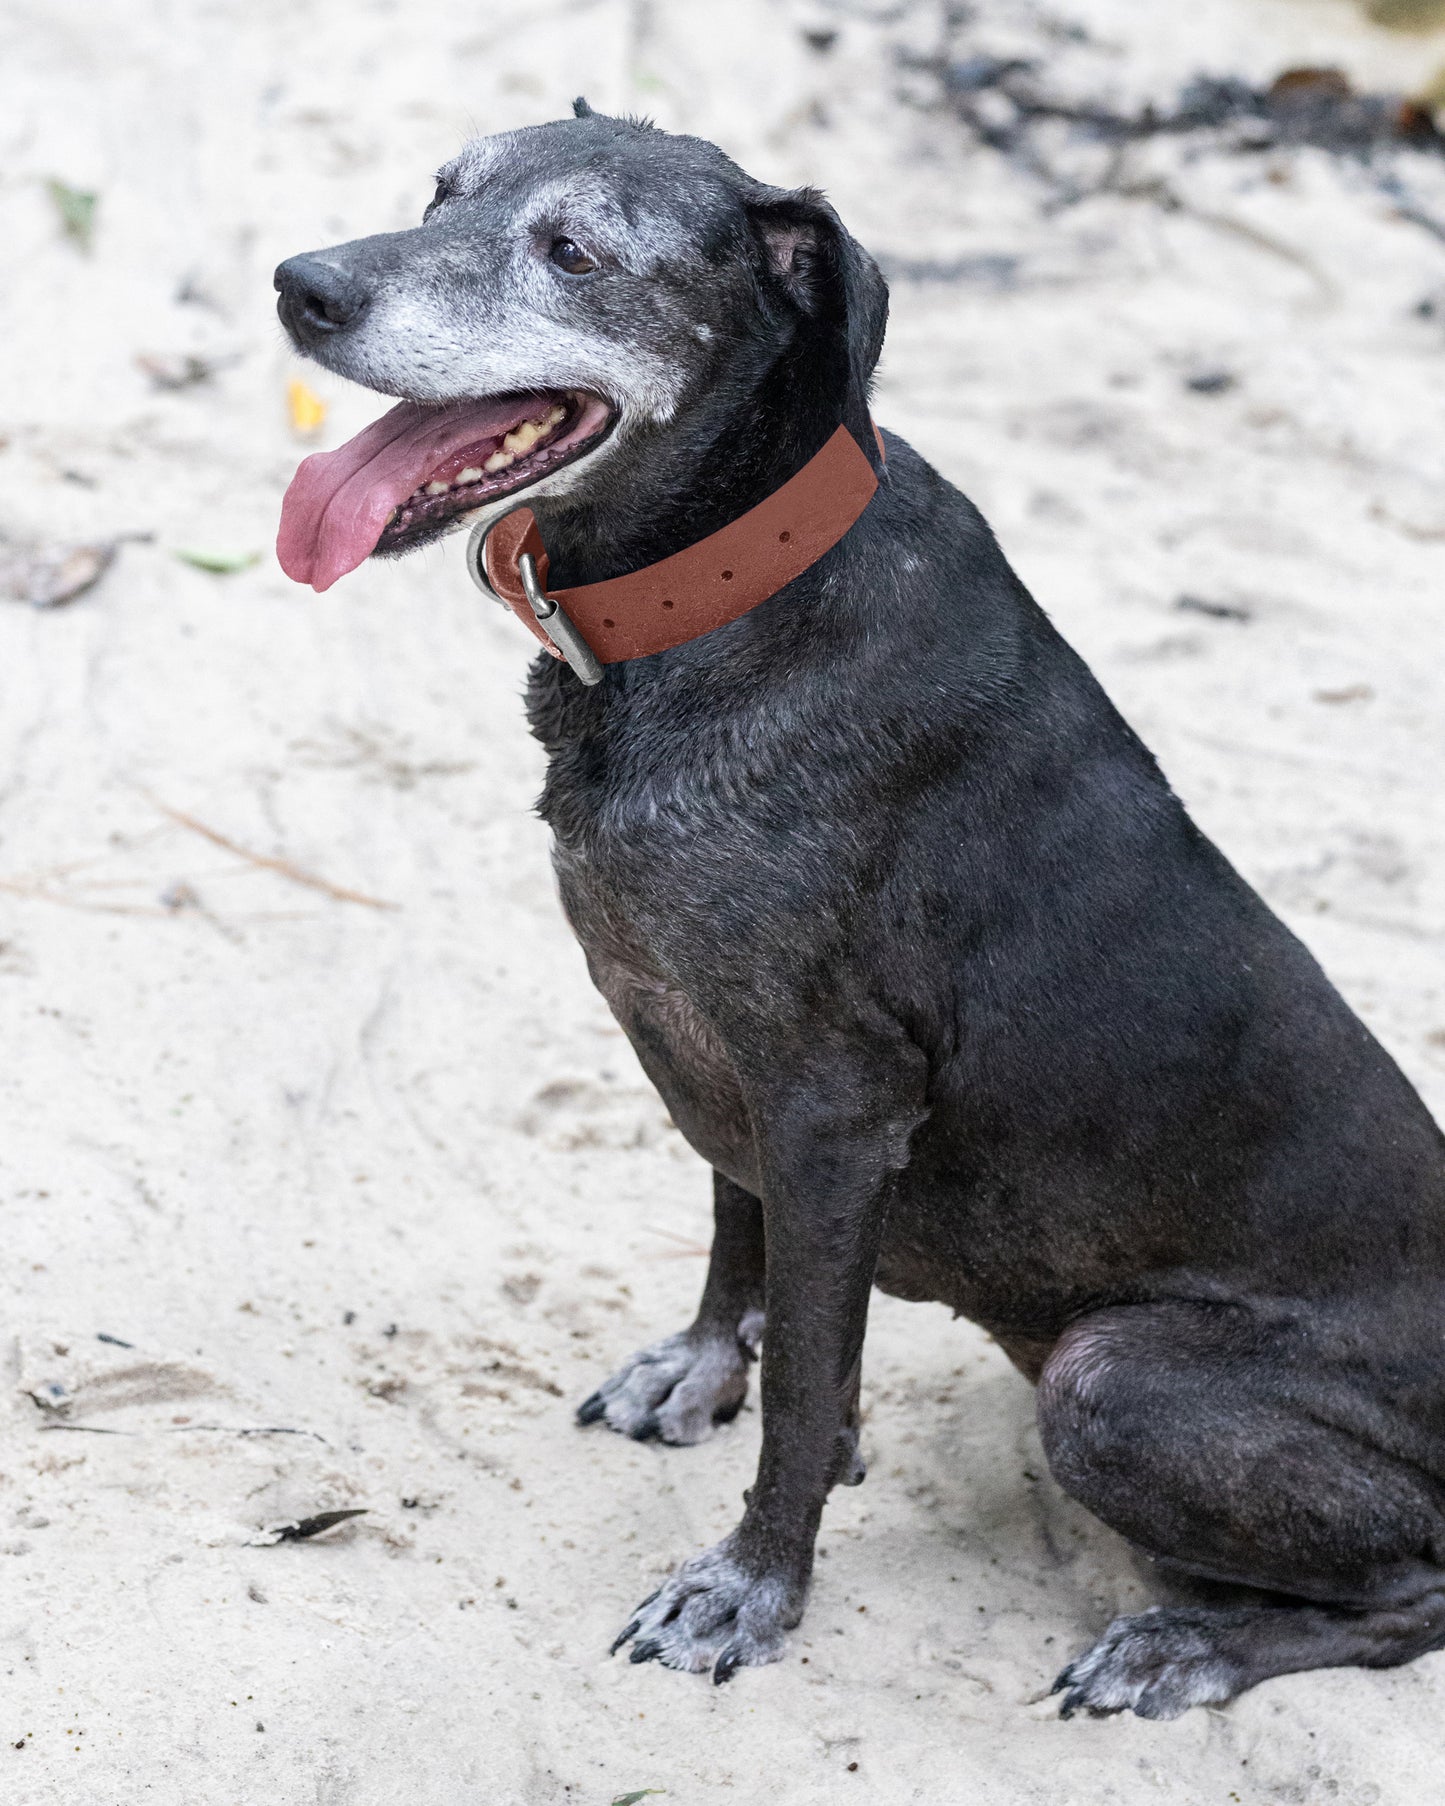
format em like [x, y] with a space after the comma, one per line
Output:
[1158, 1664]
[676, 1389]
[714, 1613]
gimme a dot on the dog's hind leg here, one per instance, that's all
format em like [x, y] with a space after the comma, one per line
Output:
[1219, 1447]
[679, 1388]
[1160, 1662]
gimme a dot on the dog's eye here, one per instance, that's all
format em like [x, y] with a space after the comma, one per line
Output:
[444, 192]
[570, 257]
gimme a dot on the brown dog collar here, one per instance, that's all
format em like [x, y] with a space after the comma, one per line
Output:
[697, 589]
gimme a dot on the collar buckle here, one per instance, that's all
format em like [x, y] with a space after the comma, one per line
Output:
[553, 619]
[560, 629]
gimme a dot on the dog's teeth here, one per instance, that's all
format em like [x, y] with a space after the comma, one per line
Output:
[499, 460]
[437, 488]
[522, 438]
[471, 474]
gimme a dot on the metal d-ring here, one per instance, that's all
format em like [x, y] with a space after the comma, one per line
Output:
[560, 630]
[548, 610]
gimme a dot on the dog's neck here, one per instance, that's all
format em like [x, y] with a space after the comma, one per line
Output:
[670, 486]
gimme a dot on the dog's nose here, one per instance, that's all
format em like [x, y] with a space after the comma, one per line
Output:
[317, 298]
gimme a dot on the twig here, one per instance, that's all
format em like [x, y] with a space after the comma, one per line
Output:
[187, 1429]
[684, 1249]
[38, 894]
[229, 1429]
[83, 1429]
[1264, 241]
[265, 860]
[1425, 535]
[79, 865]
[1302, 107]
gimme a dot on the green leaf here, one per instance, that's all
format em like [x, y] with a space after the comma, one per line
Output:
[219, 564]
[76, 207]
[631, 1799]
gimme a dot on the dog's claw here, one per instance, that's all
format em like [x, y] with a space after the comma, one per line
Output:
[591, 1408]
[625, 1635]
[1074, 1702]
[1073, 1696]
[646, 1652]
[728, 1664]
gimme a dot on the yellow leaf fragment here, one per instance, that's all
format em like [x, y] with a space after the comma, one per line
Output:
[308, 410]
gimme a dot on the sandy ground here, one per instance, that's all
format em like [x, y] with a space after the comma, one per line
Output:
[374, 1195]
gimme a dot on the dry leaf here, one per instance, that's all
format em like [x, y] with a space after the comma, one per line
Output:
[175, 370]
[47, 576]
[303, 1529]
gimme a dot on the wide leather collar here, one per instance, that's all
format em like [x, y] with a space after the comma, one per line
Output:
[700, 588]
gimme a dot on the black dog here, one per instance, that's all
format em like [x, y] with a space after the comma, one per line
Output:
[903, 921]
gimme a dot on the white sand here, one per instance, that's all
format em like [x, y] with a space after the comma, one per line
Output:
[251, 1136]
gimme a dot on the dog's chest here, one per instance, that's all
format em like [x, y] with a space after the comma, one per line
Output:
[677, 1047]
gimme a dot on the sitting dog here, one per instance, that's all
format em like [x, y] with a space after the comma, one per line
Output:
[922, 953]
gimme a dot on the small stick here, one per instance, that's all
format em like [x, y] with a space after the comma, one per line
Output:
[686, 1247]
[229, 1429]
[266, 861]
[83, 1429]
[39, 895]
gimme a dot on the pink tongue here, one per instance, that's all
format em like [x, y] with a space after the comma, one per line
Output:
[340, 501]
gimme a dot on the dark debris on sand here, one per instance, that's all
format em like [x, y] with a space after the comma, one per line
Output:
[1076, 145]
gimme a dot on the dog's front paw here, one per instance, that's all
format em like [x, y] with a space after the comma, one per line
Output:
[1158, 1664]
[676, 1389]
[715, 1612]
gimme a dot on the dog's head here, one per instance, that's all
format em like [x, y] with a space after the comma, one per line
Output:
[572, 290]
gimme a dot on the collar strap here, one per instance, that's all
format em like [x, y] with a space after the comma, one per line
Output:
[704, 586]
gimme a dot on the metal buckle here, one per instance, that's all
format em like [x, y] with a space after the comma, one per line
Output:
[549, 611]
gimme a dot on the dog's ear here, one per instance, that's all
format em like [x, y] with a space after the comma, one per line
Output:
[829, 276]
[580, 108]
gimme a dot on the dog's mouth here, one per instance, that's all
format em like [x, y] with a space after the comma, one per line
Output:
[407, 477]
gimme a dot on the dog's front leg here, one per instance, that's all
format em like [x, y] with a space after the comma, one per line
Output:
[828, 1155]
